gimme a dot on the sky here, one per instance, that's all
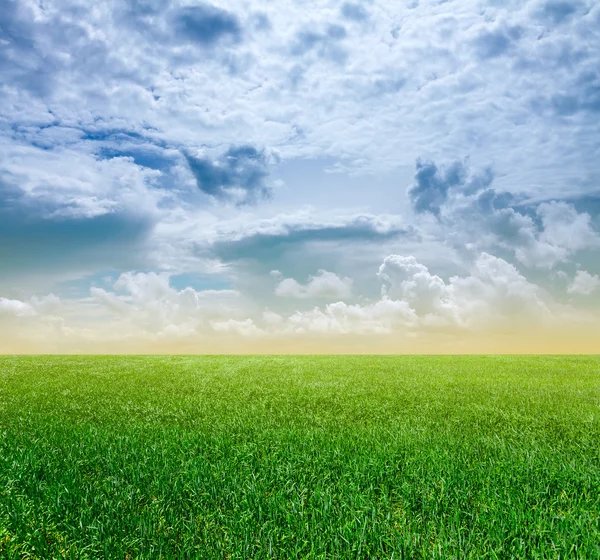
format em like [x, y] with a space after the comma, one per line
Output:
[317, 176]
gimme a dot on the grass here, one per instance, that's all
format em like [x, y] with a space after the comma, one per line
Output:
[300, 457]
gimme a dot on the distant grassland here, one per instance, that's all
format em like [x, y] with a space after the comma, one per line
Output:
[300, 457]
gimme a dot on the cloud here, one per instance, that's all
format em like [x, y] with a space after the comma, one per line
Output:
[323, 285]
[496, 42]
[493, 296]
[494, 293]
[15, 308]
[239, 175]
[581, 95]
[563, 232]
[205, 24]
[471, 212]
[430, 191]
[354, 11]
[33, 308]
[97, 107]
[62, 212]
[433, 185]
[382, 317]
[245, 328]
[584, 283]
[266, 239]
[22, 62]
[556, 11]
[564, 227]
[146, 303]
[325, 44]
[408, 280]
[145, 308]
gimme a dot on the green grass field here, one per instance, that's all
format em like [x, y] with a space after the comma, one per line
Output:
[300, 457]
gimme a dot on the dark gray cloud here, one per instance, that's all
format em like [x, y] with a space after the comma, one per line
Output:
[430, 190]
[581, 96]
[282, 237]
[261, 22]
[325, 44]
[588, 85]
[477, 215]
[489, 201]
[389, 84]
[491, 44]
[33, 53]
[588, 203]
[205, 24]
[433, 184]
[556, 11]
[33, 242]
[354, 11]
[202, 24]
[22, 62]
[239, 175]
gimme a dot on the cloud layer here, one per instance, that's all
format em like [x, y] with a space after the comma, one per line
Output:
[411, 169]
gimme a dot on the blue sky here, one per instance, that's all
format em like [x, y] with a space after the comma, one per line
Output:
[408, 174]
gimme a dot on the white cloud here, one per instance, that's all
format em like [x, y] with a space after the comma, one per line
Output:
[148, 303]
[34, 307]
[15, 308]
[420, 59]
[245, 328]
[323, 285]
[566, 228]
[142, 308]
[584, 283]
[70, 182]
[383, 317]
[470, 212]
[92, 176]
[406, 279]
[494, 295]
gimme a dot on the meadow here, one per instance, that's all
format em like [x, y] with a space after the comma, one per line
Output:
[344, 457]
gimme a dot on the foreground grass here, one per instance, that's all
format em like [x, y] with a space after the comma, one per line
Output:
[300, 457]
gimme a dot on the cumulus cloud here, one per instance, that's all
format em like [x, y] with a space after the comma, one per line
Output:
[239, 175]
[323, 285]
[414, 302]
[33, 324]
[15, 308]
[406, 279]
[564, 227]
[382, 317]
[149, 303]
[467, 205]
[584, 283]
[433, 184]
[17, 313]
[494, 293]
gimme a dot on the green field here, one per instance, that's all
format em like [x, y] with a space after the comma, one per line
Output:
[300, 457]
